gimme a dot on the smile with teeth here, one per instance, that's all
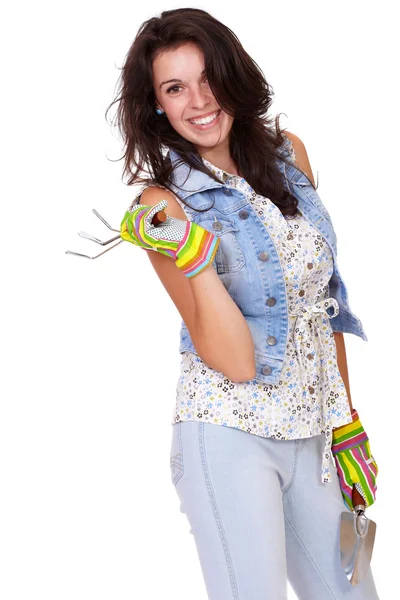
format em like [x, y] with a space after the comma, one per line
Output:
[206, 120]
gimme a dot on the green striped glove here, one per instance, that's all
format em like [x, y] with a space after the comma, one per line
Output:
[191, 246]
[354, 462]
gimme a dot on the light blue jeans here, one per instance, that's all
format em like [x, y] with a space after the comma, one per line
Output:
[260, 515]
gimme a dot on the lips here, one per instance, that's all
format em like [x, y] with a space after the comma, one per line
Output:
[215, 112]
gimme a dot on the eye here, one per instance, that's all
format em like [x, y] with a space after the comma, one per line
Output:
[173, 88]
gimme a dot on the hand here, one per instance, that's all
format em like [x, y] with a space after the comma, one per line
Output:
[191, 246]
[354, 462]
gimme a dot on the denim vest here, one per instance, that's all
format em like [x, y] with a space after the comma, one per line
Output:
[248, 265]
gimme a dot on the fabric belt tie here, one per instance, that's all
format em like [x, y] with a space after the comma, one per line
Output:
[309, 320]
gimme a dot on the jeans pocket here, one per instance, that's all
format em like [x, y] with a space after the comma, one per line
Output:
[176, 454]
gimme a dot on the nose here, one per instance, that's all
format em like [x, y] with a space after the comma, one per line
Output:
[199, 98]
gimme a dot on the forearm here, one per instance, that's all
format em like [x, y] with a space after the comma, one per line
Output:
[342, 362]
[222, 335]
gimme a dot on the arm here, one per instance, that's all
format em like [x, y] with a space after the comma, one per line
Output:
[303, 163]
[342, 362]
[215, 323]
[362, 474]
[221, 331]
[301, 156]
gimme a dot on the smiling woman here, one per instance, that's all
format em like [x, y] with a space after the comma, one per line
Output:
[262, 384]
[191, 108]
[172, 83]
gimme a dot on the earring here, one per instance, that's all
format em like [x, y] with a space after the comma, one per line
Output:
[159, 111]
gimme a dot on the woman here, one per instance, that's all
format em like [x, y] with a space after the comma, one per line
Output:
[254, 275]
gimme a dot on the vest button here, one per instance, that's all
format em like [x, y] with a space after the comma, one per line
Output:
[263, 256]
[217, 226]
[243, 214]
[266, 370]
[227, 192]
[271, 340]
[271, 302]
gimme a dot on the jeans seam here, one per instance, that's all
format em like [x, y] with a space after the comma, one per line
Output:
[176, 460]
[311, 558]
[296, 451]
[216, 512]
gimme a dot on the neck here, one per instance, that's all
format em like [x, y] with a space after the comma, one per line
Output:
[222, 162]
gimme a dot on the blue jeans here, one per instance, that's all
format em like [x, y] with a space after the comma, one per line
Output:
[260, 515]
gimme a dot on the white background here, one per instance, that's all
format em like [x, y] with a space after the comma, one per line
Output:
[87, 508]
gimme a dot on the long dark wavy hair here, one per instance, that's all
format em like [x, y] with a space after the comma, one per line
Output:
[254, 144]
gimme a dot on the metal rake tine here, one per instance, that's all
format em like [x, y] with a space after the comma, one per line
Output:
[97, 255]
[103, 220]
[87, 236]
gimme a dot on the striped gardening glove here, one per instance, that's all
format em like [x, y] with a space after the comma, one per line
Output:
[354, 462]
[191, 246]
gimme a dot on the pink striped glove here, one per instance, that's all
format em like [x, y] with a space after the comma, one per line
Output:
[354, 462]
[191, 246]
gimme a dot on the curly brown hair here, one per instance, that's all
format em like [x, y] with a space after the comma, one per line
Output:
[253, 142]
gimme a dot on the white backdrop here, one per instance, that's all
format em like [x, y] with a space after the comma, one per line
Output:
[87, 508]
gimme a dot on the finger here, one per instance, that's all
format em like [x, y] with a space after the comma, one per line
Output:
[139, 222]
[132, 229]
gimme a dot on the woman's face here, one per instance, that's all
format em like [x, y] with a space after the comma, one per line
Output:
[188, 96]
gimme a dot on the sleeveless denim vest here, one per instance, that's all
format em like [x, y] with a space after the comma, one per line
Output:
[248, 265]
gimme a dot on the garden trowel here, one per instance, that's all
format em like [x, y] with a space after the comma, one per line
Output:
[357, 536]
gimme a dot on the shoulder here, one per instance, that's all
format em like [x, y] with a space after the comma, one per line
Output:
[153, 194]
[300, 155]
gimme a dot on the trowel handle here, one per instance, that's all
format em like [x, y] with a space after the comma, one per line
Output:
[159, 218]
[357, 498]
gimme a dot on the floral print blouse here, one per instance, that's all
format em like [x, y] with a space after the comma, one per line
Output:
[311, 398]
